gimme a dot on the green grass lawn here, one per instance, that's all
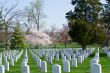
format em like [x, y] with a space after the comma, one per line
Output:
[82, 68]
[105, 62]
[69, 45]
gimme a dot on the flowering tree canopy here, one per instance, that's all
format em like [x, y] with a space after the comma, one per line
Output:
[38, 38]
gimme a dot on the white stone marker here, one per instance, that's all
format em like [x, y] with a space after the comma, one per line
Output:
[74, 62]
[15, 59]
[94, 61]
[12, 62]
[80, 59]
[108, 54]
[69, 57]
[57, 57]
[23, 64]
[63, 58]
[25, 69]
[0, 60]
[50, 60]
[56, 68]
[5, 58]
[66, 66]
[39, 62]
[7, 66]
[44, 66]
[2, 69]
[96, 68]
[74, 55]
[25, 59]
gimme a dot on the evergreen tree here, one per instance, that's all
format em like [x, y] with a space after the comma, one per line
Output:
[82, 20]
[105, 20]
[17, 39]
[106, 13]
[85, 10]
[1, 23]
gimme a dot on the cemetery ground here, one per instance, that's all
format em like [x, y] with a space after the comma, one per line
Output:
[81, 68]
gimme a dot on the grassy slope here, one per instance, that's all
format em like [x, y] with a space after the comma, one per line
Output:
[105, 62]
[82, 68]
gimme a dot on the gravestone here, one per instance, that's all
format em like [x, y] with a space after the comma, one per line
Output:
[12, 62]
[44, 66]
[2, 69]
[66, 66]
[94, 61]
[108, 54]
[50, 60]
[96, 68]
[57, 57]
[74, 62]
[7, 66]
[25, 69]
[39, 62]
[69, 57]
[56, 68]
[80, 59]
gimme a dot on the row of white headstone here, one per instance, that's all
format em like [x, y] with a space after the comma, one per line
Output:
[67, 56]
[9, 55]
[41, 64]
[94, 64]
[107, 51]
[24, 67]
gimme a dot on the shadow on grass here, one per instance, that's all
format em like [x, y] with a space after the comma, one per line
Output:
[92, 55]
[103, 55]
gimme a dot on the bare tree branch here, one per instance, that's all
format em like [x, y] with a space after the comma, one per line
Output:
[13, 7]
[14, 16]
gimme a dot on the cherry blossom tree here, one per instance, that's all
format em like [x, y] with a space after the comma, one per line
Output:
[38, 38]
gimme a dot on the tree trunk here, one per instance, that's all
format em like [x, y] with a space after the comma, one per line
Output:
[6, 37]
[65, 44]
[83, 47]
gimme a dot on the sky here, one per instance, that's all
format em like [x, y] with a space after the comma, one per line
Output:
[54, 10]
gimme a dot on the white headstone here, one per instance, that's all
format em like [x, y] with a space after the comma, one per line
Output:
[57, 57]
[7, 66]
[63, 58]
[66, 66]
[96, 68]
[56, 68]
[25, 59]
[2, 69]
[108, 54]
[39, 62]
[44, 66]
[73, 55]
[69, 57]
[94, 61]
[5, 58]
[80, 59]
[50, 60]
[25, 69]
[74, 62]
[15, 59]
[0, 60]
[12, 62]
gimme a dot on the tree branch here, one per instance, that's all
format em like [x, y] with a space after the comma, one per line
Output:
[10, 11]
